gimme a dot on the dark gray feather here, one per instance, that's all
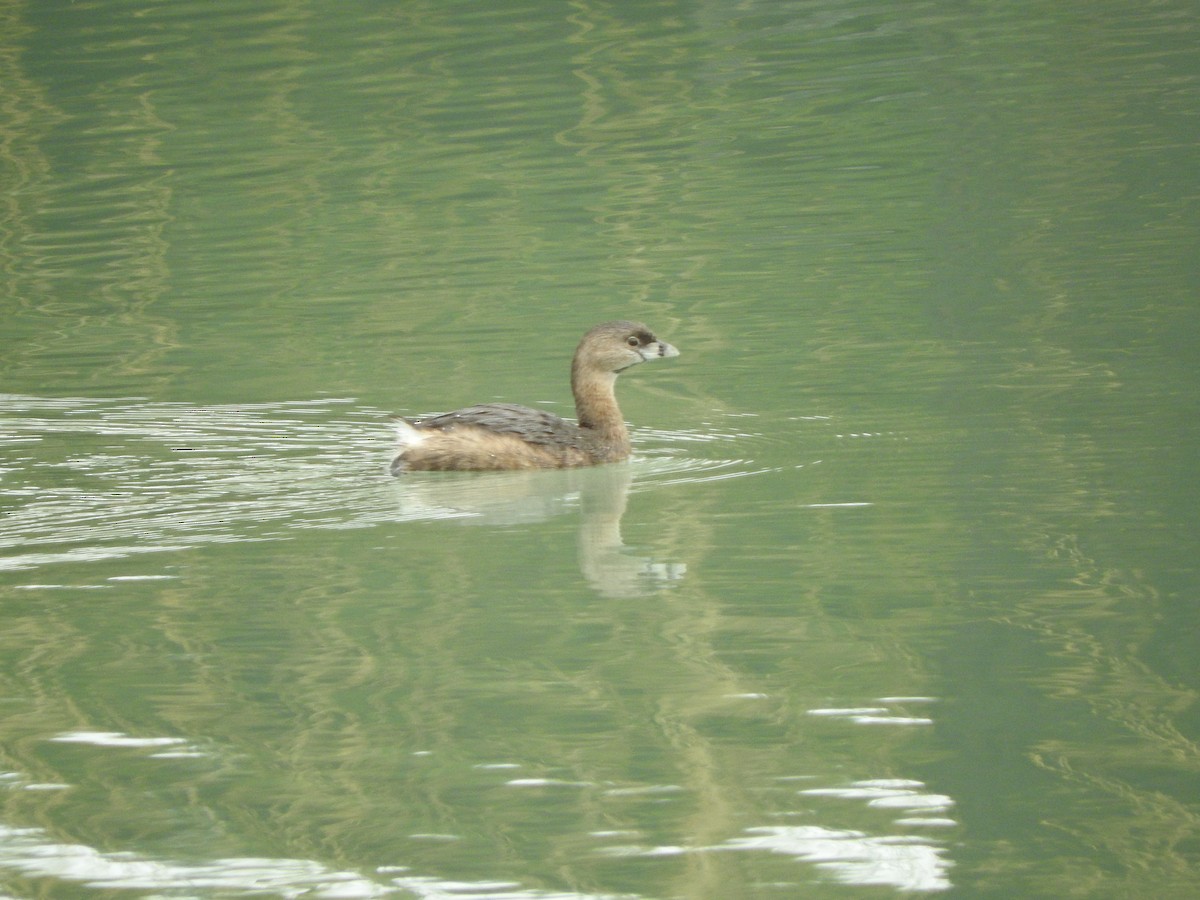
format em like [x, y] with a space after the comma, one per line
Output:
[533, 425]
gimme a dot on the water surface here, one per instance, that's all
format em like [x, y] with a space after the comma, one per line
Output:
[896, 596]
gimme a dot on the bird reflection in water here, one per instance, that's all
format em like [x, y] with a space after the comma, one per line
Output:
[526, 497]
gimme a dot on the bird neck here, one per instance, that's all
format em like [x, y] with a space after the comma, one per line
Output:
[596, 404]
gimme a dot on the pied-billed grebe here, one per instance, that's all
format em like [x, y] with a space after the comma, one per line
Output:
[507, 436]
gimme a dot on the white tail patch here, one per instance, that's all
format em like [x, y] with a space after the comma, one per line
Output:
[407, 434]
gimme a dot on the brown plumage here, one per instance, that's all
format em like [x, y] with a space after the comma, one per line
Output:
[508, 436]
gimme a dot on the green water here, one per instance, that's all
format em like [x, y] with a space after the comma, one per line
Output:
[899, 594]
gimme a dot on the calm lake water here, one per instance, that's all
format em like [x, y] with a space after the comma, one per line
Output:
[900, 594]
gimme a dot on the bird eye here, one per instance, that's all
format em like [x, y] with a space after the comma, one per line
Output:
[632, 341]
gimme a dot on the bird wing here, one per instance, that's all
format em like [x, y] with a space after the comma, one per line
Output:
[533, 425]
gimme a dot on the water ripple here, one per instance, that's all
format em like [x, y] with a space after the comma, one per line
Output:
[102, 479]
[95, 479]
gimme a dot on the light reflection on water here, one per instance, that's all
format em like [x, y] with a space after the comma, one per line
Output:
[907, 861]
[88, 480]
[106, 479]
[967, 236]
